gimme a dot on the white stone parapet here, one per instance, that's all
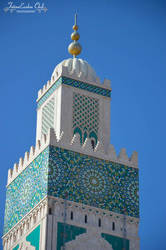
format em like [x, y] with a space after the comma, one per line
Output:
[73, 145]
[64, 72]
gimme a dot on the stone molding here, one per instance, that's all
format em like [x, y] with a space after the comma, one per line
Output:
[89, 241]
[53, 202]
[26, 245]
[34, 217]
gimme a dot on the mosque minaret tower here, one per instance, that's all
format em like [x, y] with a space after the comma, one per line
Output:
[72, 191]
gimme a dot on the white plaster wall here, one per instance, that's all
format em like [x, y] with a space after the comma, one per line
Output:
[63, 113]
[66, 114]
[92, 222]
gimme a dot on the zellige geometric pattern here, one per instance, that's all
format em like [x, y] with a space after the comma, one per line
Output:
[84, 179]
[95, 182]
[27, 190]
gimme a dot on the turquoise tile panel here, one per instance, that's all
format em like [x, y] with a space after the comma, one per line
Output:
[66, 233]
[86, 86]
[117, 243]
[34, 238]
[93, 181]
[26, 191]
[85, 179]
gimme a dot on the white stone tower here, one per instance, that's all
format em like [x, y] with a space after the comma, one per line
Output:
[71, 191]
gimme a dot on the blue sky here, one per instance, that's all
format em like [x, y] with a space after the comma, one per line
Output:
[124, 41]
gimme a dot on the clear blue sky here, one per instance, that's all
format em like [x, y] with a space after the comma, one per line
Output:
[123, 40]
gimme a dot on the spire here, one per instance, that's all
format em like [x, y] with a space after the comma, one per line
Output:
[74, 47]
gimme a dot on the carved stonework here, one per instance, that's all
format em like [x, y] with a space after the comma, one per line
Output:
[88, 241]
[26, 246]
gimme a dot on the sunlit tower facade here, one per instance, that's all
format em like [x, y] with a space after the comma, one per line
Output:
[71, 191]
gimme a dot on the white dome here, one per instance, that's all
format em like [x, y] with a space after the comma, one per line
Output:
[77, 67]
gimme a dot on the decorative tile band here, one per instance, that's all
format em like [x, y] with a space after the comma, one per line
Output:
[27, 190]
[76, 84]
[86, 86]
[84, 179]
[94, 182]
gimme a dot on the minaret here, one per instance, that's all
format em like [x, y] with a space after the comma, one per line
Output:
[71, 191]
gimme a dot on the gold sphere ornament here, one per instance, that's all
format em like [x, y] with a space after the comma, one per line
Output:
[74, 48]
[75, 27]
[75, 36]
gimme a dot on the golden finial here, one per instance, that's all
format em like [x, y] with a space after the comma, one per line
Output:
[75, 48]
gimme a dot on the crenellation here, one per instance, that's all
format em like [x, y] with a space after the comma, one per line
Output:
[123, 156]
[21, 164]
[98, 80]
[112, 153]
[52, 79]
[38, 145]
[15, 168]
[44, 88]
[32, 152]
[26, 158]
[40, 92]
[43, 139]
[134, 158]
[51, 137]
[48, 84]
[64, 72]
[9, 175]
[107, 83]
[74, 144]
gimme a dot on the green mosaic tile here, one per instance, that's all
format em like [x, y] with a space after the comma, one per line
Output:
[26, 191]
[93, 182]
[87, 180]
